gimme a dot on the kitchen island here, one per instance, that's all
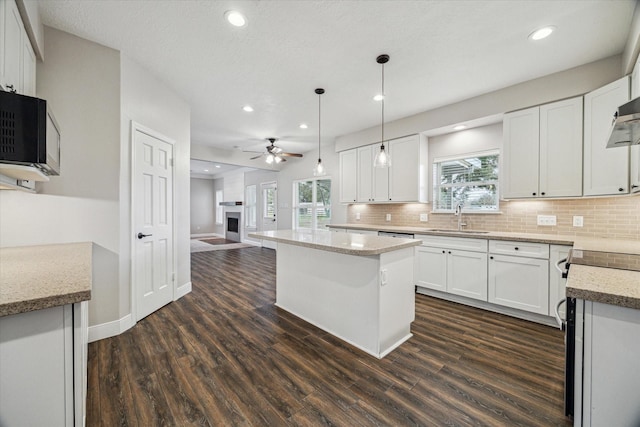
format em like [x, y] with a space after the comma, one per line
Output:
[43, 333]
[359, 288]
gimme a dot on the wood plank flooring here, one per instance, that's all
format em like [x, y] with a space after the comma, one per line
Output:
[225, 355]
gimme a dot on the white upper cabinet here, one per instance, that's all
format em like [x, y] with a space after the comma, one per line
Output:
[407, 174]
[561, 148]
[348, 174]
[635, 149]
[606, 171]
[521, 134]
[404, 181]
[542, 154]
[17, 58]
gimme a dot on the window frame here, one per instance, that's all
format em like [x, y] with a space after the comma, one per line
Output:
[313, 204]
[436, 186]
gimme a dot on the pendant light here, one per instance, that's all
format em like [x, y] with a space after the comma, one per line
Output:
[319, 169]
[382, 159]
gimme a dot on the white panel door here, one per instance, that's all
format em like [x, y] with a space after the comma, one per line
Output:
[606, 171]
[467, 274]
[269, 210]
[152, 205]
[348, 175]
[521, 136]
[12, 47]
[561, 148]
[365, 174]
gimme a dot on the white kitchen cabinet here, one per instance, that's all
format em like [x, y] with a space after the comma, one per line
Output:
[408, 171]
[557, 284]
[542, 155]
[609, 380]
[348, 175]
[520, 278]
[43, 368]
[441, 265]
[635, 149]
[17, 58]
[404, 181]
[606, 171]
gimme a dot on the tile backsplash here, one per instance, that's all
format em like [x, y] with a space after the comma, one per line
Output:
[614, 217]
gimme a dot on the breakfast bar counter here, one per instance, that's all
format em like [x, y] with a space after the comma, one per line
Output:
[359, 288]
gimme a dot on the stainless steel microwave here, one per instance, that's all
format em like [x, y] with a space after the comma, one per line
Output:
[29, 133]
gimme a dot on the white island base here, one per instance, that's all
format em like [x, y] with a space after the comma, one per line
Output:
[367, 301]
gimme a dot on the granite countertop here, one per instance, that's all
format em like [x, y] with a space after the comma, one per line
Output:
[345, 243]
[605, 285]
[553, 239]
[39, 277]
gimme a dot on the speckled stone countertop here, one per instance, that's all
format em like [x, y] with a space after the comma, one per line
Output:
[553, 239]
[344, 243]
[39, 277]
[605, 285]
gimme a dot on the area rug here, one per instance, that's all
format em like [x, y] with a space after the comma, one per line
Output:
[201, 246]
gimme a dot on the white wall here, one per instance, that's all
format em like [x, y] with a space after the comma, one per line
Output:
[149, 102]
[474, 140]
[564, 84]
[82, 203]
[203, 206]
[301, 169]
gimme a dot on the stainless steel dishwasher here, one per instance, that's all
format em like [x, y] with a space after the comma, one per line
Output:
[399, 235]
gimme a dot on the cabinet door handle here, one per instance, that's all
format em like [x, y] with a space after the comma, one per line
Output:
[516, 248]
[490, 257]
[443, 252]
[533, 194]
[634, 186]
[620, 189]
[542, 193]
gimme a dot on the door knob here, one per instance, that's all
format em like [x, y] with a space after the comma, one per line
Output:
[140, 235]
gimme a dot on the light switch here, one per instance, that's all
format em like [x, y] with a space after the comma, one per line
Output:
[357, 216]
[578, 221]
[424, 217]
[388, 217]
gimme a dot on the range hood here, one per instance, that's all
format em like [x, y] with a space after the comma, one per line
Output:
[625, 129]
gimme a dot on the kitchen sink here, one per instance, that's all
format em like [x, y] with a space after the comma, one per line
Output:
[457, 231]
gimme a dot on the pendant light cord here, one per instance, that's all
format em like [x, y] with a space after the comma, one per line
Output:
[319, 110]
[383, 96]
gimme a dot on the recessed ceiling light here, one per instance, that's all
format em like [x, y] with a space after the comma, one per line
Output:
[218, 166]
[459, 127]
[303, 126]
[378, 97]
[235, 18]
[542, 33]
[206, 170]
[248, 108]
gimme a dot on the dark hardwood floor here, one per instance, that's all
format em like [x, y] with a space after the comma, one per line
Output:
[225, 355]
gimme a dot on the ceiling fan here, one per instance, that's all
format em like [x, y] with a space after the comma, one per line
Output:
[275, 153]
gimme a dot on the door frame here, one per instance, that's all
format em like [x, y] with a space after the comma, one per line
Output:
[137, 127]
[263, 185]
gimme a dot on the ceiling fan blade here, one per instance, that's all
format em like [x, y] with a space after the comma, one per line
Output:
[256, 157]
[289, 154]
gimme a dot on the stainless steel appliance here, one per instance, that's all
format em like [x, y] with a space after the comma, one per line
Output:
[399, 235]
[29, 133]
[625, 129]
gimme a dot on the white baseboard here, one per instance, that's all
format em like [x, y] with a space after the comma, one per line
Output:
[110, 329]
[197, 236]
[182, 291]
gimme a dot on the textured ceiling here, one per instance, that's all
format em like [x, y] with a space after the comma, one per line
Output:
[441, 52]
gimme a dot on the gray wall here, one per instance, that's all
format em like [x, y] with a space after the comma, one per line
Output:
[203, 207]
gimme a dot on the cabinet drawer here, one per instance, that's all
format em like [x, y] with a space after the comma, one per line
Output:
[526, 249]
[467, 244]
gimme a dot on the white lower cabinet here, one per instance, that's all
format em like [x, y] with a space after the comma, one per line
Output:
[43, 365]
[518, 280]
[441, 265]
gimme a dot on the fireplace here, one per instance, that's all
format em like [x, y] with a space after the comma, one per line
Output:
[232, 221]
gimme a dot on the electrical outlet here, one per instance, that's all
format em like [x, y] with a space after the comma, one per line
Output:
[357, 216]
[578, 221]
[424, 217]
[546, 220]
[388, 217]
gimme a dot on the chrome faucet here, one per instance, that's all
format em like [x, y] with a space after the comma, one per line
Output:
[458, 213]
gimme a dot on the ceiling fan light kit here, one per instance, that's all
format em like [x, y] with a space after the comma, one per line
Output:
[319, 169]
[382, 159]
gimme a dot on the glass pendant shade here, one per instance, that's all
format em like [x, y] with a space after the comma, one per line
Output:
[319, 169]
[382, 159]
